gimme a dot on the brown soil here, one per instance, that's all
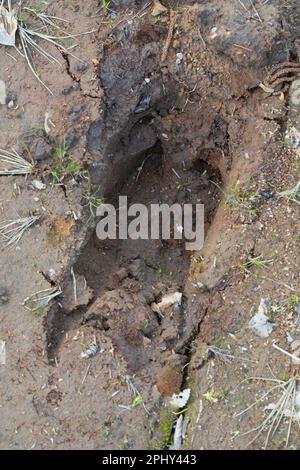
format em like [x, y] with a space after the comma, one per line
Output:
[210, 134]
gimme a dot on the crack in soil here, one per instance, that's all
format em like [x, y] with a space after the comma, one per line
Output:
[66, 58]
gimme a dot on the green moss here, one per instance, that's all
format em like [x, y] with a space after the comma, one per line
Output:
[163, 432]
[166, 424]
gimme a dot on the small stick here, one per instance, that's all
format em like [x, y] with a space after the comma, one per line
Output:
[165, 50]
[12, 57]
[286, 353]
[200, 411]
[241, 3]
[29, 372]
[175, 173]
[142, 166]
[265, 278]
[86, 374]
[74, 284]
[255, 10]
[201, 37]
[243, 47]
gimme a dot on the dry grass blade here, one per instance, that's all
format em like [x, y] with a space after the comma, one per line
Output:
[224, 355]
[284, 407]
[132, 389]
[293, 194]
[13, 230]
[280, 411]
[38, 48]
[51, 39]
[8, 25]
[40, 31]
[25, 47]
[256, 402]
[28, 42]
[47, 20]
[39, 300]
[11, 163]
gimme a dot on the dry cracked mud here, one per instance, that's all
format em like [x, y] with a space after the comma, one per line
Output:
[179, 121]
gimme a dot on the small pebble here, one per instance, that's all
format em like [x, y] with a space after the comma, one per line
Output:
[289, 338]
[81, 67]
[52, 275]
[266, 194]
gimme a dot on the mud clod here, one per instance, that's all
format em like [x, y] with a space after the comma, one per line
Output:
[169, 380]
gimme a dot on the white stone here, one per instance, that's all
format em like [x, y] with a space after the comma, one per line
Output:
[158, 9]
[260, 323]
[180, 400]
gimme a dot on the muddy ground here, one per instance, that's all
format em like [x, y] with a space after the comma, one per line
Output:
[162, 114]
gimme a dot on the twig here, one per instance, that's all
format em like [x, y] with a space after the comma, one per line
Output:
[74, 284]
[11, 56]
[201, 37]
[176, 174]
[265, 278]
[224, 356]
[86, 374]
[241, 3]
[243, 47]
[199, 411]
[255, 10]
[292, 356]
[292, 194]
[142, 166]
[165, 50]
